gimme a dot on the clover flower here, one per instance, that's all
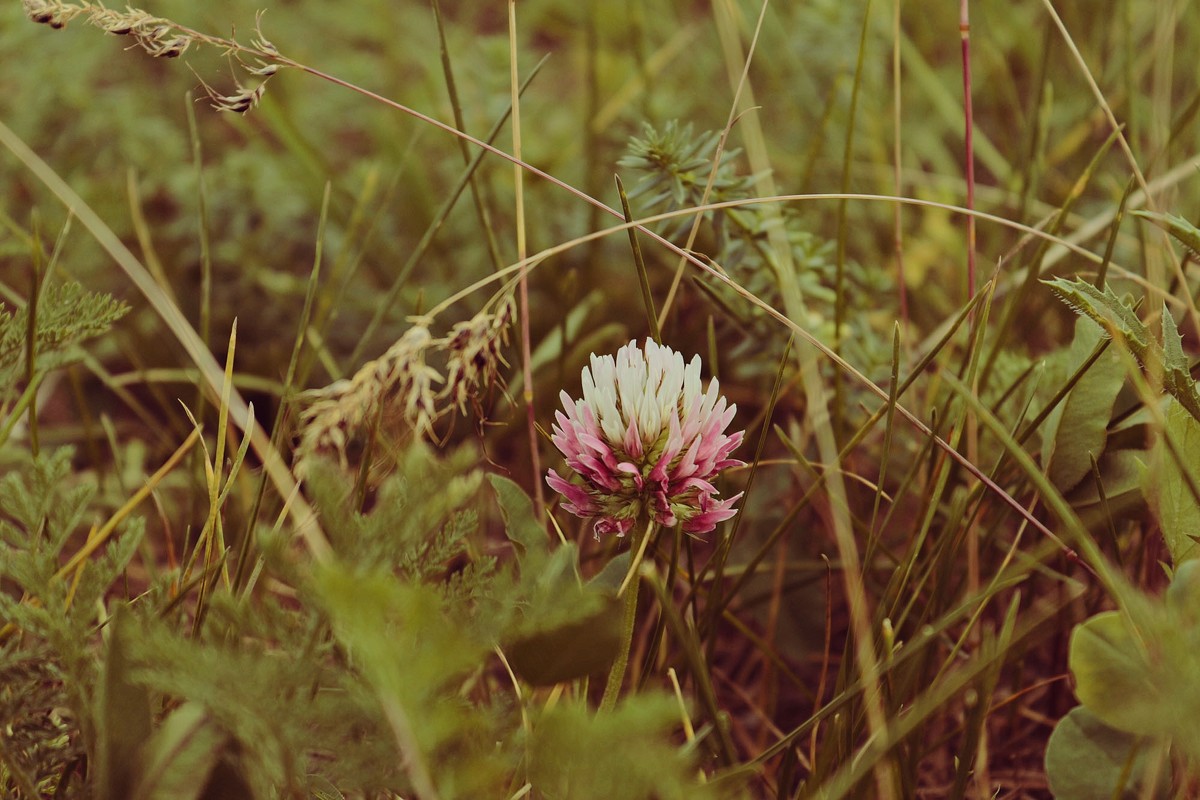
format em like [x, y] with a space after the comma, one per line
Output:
[645, 439]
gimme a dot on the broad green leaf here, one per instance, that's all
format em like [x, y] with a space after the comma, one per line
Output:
[1167, 487]
[1123, 473]
[1086, 759]
[1183, 595]
[1112, 675]
[571, 650]
[1076, 430]
[520, 523]
[123, 714]
[564, 629]
[614, 572]
[384, 622]
[179, 758]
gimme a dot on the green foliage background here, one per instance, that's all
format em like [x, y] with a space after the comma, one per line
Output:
[449, 646]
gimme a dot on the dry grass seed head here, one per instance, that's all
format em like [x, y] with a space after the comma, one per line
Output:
[120, 23]
[49, 12]
[397, 385]
[159, 37]
[162, 38]
[161, 41]
[240, 101]
[475, 354]
[245, 99]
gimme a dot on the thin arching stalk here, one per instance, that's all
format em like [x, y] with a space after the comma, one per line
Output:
[539, 496]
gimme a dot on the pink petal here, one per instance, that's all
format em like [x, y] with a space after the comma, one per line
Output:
[706, 520]
[663, 514]
[704, 486]
[595, 444]
[606, 525]
[726, 464]
[633, 439]
[671, 449]
[579, 502]
[687, 466]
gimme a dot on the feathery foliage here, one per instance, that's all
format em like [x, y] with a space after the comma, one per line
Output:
[66, 316]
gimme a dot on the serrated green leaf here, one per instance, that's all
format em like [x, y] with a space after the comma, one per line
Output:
[178, 759]
[1177, 374]
[123, 714]
[1110, 312]
[1173, 355]
[1187, 233]
[1086, 759]
[1077, 428]
[1115, 317]
[1167, 487]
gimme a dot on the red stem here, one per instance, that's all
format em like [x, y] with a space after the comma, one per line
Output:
[964, 27]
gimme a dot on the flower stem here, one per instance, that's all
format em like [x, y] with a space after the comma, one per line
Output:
[637, 560]
[616, 674]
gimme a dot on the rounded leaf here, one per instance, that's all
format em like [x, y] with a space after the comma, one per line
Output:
[1086, 759]
[1112, 676]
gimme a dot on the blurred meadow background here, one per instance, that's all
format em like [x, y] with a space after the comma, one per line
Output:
[961, 566]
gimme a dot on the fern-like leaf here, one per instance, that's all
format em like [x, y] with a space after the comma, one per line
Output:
[66, 316]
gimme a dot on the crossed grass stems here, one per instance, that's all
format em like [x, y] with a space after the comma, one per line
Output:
[164, 38]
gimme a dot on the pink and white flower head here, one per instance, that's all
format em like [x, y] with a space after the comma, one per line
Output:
[645, 438]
